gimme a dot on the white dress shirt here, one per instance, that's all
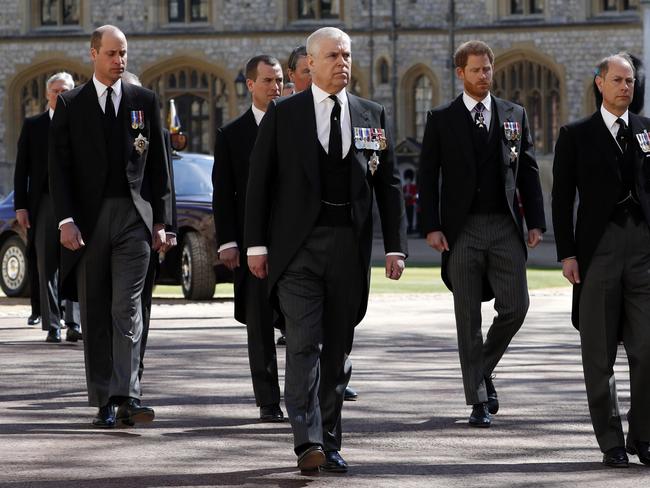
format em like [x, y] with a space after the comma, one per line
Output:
[101, 97]
[610, 121]
[470, 103]
[258, 114]
[323, 106]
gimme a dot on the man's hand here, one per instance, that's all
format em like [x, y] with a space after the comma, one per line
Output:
[22, 216]
[71, 236]
[394, 266]
[438, 241]
[534, 237]
[159, 237]
[170, 241]
[570, 270]
[230, 258]
[259, 266]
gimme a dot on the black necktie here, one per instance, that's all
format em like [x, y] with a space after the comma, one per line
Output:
[335, 144]
[109, 110]
[621, 135]
[479, 119]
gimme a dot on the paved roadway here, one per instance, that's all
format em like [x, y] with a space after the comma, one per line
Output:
[407, 429]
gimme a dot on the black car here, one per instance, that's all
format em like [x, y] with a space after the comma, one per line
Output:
[193, 263]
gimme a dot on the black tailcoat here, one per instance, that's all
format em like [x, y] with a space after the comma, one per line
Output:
[586, 163]
[448, 173]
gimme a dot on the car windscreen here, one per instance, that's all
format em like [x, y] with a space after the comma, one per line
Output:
[193, 176]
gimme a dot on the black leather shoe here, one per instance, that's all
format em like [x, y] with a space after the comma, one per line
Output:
[53, 335]
[640, 448]
[615, 458]
[282, 340]
[131, 412]
[350, 395]
[311, 458]
[271, 413]
[480, 416]
[493, 401]
[73, 333]
[105, 416]
[334, 463]
[34, 319]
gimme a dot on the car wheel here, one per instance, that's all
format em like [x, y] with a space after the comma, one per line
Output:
[13, 259]
[197, 273]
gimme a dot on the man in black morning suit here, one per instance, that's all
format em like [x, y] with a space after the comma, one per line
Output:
[232, 149]
[111, 192]
[473, 217]
[34, 213]
[605, 159]
[309, 228]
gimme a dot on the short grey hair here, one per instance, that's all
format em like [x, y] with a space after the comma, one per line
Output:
[131, 78]
[313, 41]
[61, 76]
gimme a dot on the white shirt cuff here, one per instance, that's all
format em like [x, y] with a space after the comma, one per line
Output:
[257, 251]
[227, 245]
[396, 254]
[65, 221]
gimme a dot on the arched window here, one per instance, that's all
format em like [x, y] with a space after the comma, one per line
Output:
[314, 9]
[422, 103]
[201, 100]
[537, 88]
[32, 94]
[383, 71]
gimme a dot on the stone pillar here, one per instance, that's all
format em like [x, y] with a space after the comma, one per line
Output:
[645, 16]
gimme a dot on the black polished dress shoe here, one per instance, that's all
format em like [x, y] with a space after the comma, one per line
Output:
[350, 395]
[640, 448]
[480, 416]
[311, 458]
[334, 463]
[271, 413]
[493, 401]
[73, 333]
[34, 319]
[130, 412]
[615, 458]
[53, 335]
[105, 416]
[282, 340]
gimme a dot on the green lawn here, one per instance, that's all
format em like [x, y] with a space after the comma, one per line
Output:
[414, 280]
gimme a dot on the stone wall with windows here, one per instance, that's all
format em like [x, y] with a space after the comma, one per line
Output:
[565, 40]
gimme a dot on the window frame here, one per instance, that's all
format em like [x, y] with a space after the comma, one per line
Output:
[294, 16]
[187, 15]
[59, 24]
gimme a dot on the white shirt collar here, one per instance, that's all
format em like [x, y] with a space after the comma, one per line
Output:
[257, 113]
[101, 88]
[51, 112]
[610, 118]
[320, 95]
[470, 103]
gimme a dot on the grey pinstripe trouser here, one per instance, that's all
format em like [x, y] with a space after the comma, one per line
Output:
[487, 246]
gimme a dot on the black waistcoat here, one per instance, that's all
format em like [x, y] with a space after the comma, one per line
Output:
[626, 164]
[489, 194]
[116, 183]
[335, 188]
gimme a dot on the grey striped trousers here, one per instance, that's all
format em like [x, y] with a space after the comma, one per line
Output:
[488, 246]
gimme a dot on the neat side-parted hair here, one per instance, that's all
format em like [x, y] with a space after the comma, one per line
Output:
[63, 76]
[294, 57]
[476, 48]
[313, 41]
[253, 63]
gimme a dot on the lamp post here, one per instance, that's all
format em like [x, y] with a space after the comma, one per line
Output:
[240, 85]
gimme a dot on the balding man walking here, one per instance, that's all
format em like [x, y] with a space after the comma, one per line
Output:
[110, 187]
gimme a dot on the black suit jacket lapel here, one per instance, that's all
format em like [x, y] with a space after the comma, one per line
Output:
[358, 118]
[460, 127]
[94, 122]
[127, 104]
[605, 145]
[504, 114]
[307, 138]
